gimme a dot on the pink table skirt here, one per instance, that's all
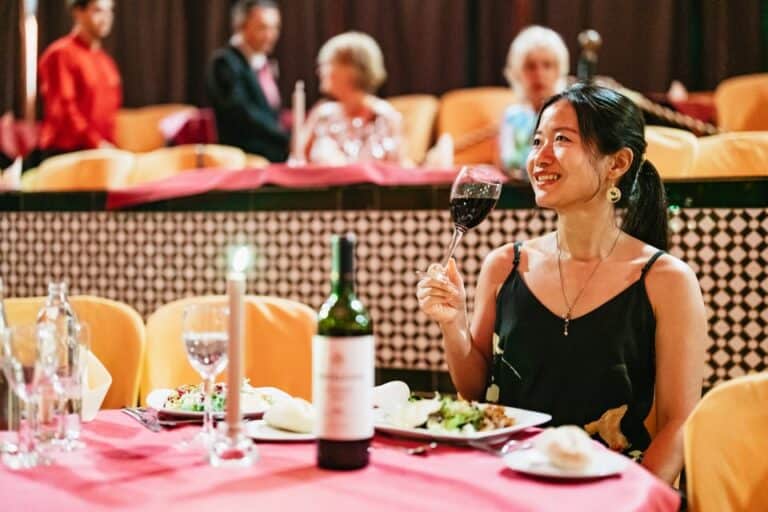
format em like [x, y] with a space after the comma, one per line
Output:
[127, 467]
[200, 181]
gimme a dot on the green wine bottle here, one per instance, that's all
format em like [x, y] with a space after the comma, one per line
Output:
[342, 367]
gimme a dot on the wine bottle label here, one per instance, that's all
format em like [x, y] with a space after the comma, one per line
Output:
[342, 387]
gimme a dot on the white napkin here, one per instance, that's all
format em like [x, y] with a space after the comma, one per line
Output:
[10, 179]
[95, 387]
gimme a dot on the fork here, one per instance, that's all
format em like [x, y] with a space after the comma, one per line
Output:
[150, 423]
[511, 445]
[149, 419]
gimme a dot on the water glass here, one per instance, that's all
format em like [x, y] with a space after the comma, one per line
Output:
[24, 349]
[205, 337]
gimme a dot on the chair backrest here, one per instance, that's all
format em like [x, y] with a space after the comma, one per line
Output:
[419, 112]
[93, 169]
[742, 103]
[726, 446]
[166, 162]
[138, 129]
[465, 113]
[735, 154]
[117, 339]
[278, 345]
[672, 151]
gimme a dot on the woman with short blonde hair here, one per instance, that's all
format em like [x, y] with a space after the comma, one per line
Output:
[356, 125]
[537, 67]
[359, 51]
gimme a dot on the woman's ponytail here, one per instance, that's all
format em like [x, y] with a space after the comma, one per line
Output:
[646, 214]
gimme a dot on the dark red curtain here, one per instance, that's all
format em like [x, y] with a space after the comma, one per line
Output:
[430, 46]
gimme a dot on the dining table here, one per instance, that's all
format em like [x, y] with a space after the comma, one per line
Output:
[125, 466]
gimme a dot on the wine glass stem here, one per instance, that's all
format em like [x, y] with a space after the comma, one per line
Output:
[208, 413]
[458, 232]
[27, 428]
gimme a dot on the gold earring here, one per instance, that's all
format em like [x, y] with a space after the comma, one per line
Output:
[613, 194]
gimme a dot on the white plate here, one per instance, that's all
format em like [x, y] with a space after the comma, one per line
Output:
[523, 420]
[533, 462]
[260, 431]
[156, 400]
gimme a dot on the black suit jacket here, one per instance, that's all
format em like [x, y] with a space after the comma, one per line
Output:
[244, 117]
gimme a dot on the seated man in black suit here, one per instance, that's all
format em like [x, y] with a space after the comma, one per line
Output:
[241, 83]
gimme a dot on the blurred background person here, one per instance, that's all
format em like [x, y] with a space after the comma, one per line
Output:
[355, 125]
[241, 83]
[80, 84]
[537, 67]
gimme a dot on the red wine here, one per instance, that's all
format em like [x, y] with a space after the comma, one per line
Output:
[468, 212]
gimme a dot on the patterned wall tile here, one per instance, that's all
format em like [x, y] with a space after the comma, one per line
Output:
[148, 259]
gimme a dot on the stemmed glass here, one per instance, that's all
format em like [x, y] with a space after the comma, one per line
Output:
[206, 338]
[71, 368]
[473, 195]
[25, 349]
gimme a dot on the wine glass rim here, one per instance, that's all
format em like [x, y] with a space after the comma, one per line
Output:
[485, 173]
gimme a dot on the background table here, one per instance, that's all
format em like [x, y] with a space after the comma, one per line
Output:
[127, 467]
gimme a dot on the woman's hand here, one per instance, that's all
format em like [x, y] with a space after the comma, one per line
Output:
[441, 293]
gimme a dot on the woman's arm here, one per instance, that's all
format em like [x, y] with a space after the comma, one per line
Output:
[467, 348]
[681, 333]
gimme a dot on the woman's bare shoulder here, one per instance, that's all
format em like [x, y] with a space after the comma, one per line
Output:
[671, 282]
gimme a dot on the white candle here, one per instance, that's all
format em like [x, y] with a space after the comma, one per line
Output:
[299, 106]
[236, 294]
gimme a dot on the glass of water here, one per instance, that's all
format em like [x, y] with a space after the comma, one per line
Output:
[24, 349]
[206, 338]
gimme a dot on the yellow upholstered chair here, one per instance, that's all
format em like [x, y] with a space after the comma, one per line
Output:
[670, 150]
[726, 443]
[138, 129]
[255, 161]
[278, 345]
[419, 112]
[166, 162]
[94, 169]
[472, 117]
[735, 154]
[117, 339]
[742, 103]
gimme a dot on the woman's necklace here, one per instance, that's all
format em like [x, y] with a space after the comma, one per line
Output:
[567, 317]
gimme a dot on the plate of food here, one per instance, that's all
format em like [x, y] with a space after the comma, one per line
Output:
[455, 420]
[288, 420]
[566, 452]
[188, 400]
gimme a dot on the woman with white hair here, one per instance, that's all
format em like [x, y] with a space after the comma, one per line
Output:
[537, 66]
[356, 126]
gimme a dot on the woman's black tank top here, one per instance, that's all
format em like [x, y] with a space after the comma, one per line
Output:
[605, 362]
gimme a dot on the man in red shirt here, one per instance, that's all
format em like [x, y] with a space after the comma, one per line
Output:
[80, 84]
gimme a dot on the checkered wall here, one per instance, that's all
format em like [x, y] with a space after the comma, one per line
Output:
[148, 259]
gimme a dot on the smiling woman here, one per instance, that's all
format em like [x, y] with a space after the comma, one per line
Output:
[593, 322]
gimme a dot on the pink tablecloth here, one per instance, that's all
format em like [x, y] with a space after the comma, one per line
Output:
[201, 181]
[126, 467]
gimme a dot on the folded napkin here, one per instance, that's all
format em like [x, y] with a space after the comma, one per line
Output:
[95, 387]
[10, 179]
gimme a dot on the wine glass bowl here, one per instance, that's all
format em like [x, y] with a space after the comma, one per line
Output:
[474, 194]
[206, 339]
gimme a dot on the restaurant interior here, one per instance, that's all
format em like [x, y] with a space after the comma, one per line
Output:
[324, 254]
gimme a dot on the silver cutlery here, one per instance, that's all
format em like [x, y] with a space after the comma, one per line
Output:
[151, 421]
[501, 448]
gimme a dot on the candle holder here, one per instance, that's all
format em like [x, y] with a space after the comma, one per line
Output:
[230, 446]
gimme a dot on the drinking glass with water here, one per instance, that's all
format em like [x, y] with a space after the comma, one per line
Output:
[205, 336]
